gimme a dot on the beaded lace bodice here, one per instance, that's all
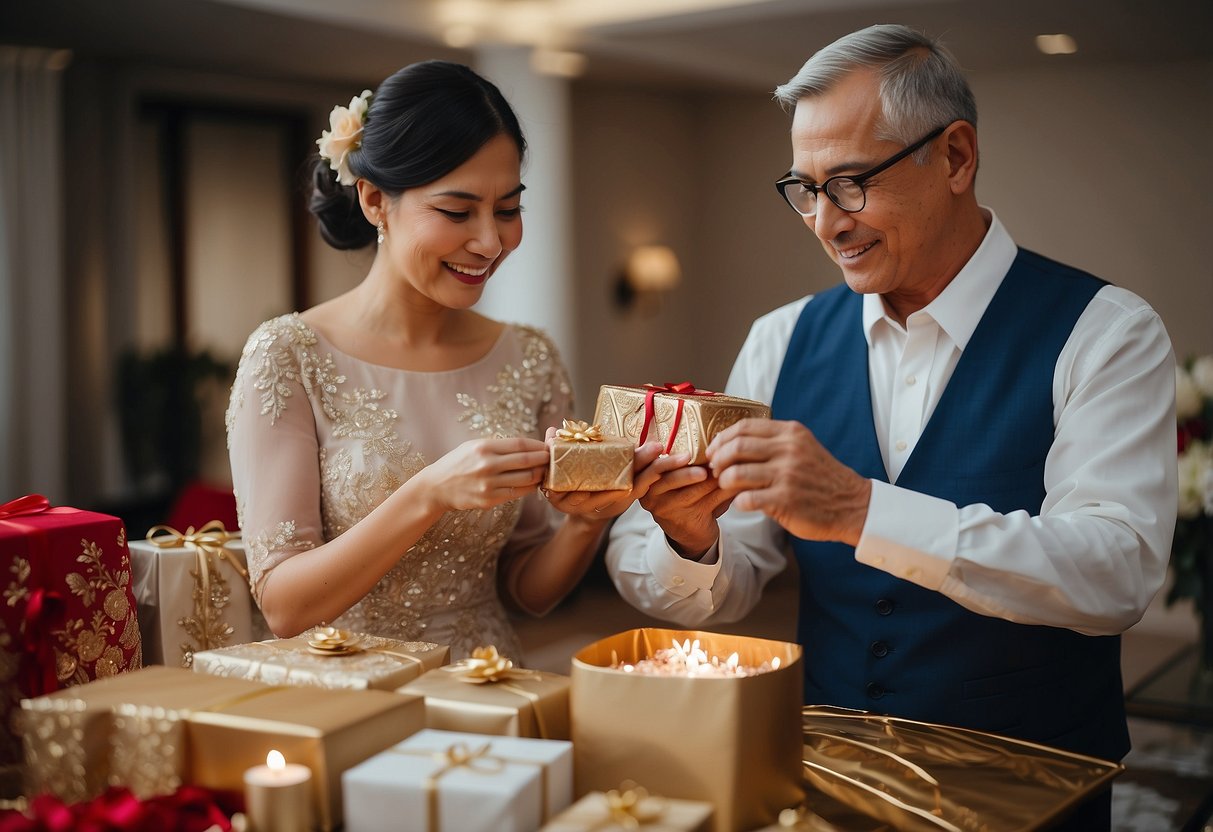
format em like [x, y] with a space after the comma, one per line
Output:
[318, 439]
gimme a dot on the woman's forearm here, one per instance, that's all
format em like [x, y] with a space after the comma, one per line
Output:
[549, 573]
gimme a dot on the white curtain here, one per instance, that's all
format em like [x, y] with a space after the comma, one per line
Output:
[33, 373]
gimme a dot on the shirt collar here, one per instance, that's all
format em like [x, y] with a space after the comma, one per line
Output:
[959, 307]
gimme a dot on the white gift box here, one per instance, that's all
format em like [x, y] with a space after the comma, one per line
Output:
[184, 609]
[451, 780]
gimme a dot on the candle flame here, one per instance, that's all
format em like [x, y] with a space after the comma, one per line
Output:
[275, 760]
[733, 660]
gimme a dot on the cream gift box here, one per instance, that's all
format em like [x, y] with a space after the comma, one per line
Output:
[192, 593]
[327, 658]
[486, 694]
[445, 780]
[731, 741]
[627, 809]
[159, 727]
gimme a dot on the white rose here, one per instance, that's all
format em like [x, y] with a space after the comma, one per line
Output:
[1202, 375]
[1187, 397]
[344, 134]
[1195, 469]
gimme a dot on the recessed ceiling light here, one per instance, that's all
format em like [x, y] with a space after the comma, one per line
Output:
[1056, 44]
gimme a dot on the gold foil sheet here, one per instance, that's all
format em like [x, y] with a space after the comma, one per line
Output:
[921, 777]
[376, 663]
[621, 412]
[603, 812]
[536, 705]
[591, 466]
[159, 727]
[733, 742]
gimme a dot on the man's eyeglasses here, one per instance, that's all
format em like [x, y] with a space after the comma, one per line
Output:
[847, 192]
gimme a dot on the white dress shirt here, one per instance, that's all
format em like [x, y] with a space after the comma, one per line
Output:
[1090, 561]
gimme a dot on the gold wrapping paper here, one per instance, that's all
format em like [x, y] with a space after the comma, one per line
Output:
[192, 593]
[920, 777]
[160, 727]
[730, 741]
[599, 812]
[377, 664]
[621, 412]
[582, 459]
[534, 706]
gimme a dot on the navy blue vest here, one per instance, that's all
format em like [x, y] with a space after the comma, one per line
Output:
[879, 643]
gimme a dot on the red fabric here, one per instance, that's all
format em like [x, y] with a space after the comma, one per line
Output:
[199, 503]
[190, 809]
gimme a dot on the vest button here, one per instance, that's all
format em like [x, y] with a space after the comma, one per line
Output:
[875, 690]
[884, 606]
[880, 649]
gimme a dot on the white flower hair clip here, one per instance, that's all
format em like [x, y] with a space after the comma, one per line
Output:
[344, 134]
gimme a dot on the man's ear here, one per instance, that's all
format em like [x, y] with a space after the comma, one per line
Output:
[961, 150]
[373, 202]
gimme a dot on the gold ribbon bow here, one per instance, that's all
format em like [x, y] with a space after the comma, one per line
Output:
[332, 641]
[209, 540]
[488, 667]
[575, 430]
[626, 806]
[458, 755]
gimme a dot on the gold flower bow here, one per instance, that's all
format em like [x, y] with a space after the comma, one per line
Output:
[575, 430]
[627, 808]
[332, 641]
[486, 665]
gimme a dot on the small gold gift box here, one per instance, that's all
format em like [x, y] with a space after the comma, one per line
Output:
[629, 808]
[486, 694]
[684, 419]
[585, 460]
[155, 729]
[731, 741]
[326, 658]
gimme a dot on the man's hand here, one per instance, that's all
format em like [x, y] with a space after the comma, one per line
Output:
[780, 469]
[685, 501]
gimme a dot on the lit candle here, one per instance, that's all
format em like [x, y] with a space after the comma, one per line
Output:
[278, 796]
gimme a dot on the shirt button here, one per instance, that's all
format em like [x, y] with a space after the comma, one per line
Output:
[911, 379]
[678, 580]
[884, 606]
[880, 649]
[901, 445]
[875, 690]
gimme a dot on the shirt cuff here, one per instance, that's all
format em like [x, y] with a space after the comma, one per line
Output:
[675, 573]
[909, 535]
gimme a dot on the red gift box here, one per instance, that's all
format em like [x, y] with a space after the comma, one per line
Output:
[67, 608]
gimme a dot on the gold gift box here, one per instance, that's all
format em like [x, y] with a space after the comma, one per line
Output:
[593, 813]
[374, 663]
[732, 741]
[924, 777]
[159, 727]
[534, 706]
[694, 417]
[582, 459]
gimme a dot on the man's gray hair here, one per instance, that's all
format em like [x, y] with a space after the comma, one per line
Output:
[921, 86]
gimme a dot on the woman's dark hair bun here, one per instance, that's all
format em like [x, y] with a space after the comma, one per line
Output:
[424, 121]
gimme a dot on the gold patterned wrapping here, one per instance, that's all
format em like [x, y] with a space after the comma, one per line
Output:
[582, 459]
[921, 777]
[192, 593]
[730, 741]
[513, 703]
[67, 611]
[373, 663]
[695, 417]
[630, 808]
[160, 727]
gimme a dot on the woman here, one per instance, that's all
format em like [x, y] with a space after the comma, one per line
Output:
[386, 445]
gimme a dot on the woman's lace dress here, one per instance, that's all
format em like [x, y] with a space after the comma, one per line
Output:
[318, 438]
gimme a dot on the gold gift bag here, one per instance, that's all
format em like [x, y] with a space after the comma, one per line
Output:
[731, 741]
[922, 777]
[486, 694]
[342, 660]
[680, 416]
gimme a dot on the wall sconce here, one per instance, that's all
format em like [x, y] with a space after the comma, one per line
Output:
[650, 271]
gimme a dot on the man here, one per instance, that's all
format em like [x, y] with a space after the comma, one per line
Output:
[972, 450]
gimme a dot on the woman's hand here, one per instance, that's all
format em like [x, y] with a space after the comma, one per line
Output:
[482, 473]
[603, 505]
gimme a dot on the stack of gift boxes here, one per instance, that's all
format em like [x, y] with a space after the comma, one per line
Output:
[387, 734]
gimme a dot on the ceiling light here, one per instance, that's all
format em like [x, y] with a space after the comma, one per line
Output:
[459, 35]
[1056, 44]
[557, 62]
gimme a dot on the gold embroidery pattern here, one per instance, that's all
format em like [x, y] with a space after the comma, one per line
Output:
[208, 610]
[524, 393]
[283, 537]
[86, 653]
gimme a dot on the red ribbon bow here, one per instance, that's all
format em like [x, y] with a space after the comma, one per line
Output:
[684, 388]
[29, 504]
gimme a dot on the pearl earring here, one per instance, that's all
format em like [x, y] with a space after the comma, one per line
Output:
[379, 236]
